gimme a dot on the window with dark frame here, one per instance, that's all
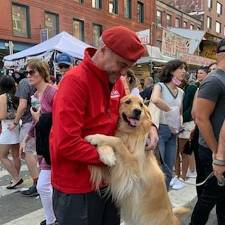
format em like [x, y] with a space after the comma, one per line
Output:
[113, 6]
[78, 29]
[159, 18]
[52, 23]
[79, 1]
[127, 9]
[140, 12]
[97, 32]
[96, 4]
[20, 20]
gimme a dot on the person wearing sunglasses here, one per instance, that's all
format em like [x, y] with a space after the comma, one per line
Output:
[64, 62]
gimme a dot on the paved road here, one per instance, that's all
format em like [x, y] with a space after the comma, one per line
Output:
[16, 209]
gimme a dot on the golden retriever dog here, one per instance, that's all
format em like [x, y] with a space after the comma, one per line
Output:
[135, 179]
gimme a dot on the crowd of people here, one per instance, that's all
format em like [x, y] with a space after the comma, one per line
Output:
[45, 124]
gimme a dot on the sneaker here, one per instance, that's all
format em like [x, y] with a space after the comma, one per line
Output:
[179, 184]
[43, 222]
[191, 174]
[31, 192]
[173, 181]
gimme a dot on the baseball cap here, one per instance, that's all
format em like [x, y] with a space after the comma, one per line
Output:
[64, 58]
[124, 42]
[221, 46]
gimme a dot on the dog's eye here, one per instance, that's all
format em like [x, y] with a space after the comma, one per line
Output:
[128, 101]
[141, 105]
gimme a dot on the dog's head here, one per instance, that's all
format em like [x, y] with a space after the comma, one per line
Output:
[134, 114]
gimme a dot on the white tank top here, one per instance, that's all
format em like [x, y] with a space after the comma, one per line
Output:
[170, 99]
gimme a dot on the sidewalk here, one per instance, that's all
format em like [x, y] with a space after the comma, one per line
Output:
[181, 197]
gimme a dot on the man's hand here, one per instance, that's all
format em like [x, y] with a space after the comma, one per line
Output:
[153, 138]
[218, 171]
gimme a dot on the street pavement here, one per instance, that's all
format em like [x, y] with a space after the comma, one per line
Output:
[16, 209]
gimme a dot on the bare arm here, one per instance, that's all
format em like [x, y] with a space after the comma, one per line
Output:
[157, 100]
[3, 106]
[20, 110]
[204, 109]
[193, 111]
[221, 149]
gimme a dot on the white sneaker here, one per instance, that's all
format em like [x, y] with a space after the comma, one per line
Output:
[173, 181]
[179, 184]
[191, 174]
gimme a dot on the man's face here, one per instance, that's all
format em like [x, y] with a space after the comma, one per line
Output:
[114, 65]
[63, 68]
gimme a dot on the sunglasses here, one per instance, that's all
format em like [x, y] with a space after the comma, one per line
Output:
[30, 72]
[63, 66]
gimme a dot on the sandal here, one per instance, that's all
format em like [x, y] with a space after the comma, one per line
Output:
[12, 186]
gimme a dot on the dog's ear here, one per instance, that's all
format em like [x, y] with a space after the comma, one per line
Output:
[147, 122]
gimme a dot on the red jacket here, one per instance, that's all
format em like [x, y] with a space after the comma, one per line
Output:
[83, 105]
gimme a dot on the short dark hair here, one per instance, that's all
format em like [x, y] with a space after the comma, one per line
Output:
[204, 68]
[7, 85]
[166, 74]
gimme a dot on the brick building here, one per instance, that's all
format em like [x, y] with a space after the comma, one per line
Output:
[211, 12]
[167, 15]
[22, 21]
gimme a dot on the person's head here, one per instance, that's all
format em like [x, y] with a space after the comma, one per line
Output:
[64, 62]
[7, 85]
[212, 66]
[221, 54]
[37, 72]
[149, 82]
[131, 79]
[202, 72]
[119, 48]
[174, 71]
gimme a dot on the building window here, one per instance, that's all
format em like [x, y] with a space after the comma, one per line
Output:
[219, 8]
[168, 20]
[52, 24]
[192, 27]
[184, 24]
[140, 12]
[218, 27]
[209, 4]
[20, 20]
[209, 22]
[113, 6]
[97, 4]
[159, 18]
[127, 8]
[79, 1]
[177, 22]
[97, 32]
[78, 29]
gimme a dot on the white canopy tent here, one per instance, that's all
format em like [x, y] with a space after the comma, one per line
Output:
[62, 42]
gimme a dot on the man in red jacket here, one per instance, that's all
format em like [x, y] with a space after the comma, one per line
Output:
[87, 102]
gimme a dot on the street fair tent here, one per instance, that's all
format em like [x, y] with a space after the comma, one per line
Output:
[62, 42]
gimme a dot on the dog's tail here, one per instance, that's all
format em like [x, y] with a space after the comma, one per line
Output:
[180, 212]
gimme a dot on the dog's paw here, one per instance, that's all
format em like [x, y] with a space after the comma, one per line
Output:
[107, 155]
[93, 139]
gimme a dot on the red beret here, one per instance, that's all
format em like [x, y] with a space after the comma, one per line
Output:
[124, 42]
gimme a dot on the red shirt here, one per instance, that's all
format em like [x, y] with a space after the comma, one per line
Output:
[83, 105]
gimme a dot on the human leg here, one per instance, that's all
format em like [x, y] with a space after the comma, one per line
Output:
[15, 156]
[44, 188]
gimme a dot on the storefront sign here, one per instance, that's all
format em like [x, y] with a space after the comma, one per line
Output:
[195, 59]
[144, 36]
[173, 44]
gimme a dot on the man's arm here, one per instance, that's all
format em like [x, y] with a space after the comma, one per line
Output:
[219, 170]
[204, 109]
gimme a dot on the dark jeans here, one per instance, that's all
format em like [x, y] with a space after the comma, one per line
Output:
[212, 194]
[94, 208]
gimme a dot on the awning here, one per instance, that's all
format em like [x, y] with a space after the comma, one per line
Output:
[155, 55]
[195, 36]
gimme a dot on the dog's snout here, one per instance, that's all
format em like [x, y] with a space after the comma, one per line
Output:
[136, 112]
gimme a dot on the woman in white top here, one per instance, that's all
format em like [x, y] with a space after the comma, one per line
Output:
[9, 139]
[168, 97]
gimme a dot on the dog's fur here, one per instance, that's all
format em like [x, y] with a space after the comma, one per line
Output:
[135, 179]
